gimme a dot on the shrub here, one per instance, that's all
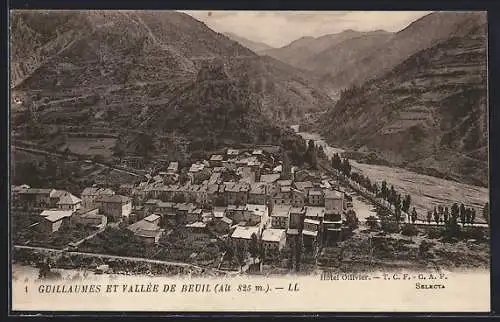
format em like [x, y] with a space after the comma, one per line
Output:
[390, 226]
[372, 223]
[474, 233]
[424, 247]
[434, 233]
[409, 230]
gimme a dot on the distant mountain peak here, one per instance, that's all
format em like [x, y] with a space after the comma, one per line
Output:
[254, 46]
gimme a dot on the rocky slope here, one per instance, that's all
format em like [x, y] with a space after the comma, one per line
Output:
[419, 35]
[95, 67]
[254, 46]
[429, 113]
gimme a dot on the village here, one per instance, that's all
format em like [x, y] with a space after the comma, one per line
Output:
[248, 200]
[241, 210]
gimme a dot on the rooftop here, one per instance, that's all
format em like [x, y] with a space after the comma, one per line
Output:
[173, 166]
[273, 235]
[197, 224]
[285, 183]
[36, 191]
[56, 215]
[216, 157]
[144, 228]
[259, 210]
[311, 221]
[196, 167]
[310, 233]
[296, 210]
[219, 211]
[226, 220]
[281, 210]
[333, 194]
[245, 232]
[258, 188]
[152, 202]
[69, 199]
[315, 193]
[269, 178]
[285, 189]
[165, 204]
[152, 218]
[303, 185]
[278, 168]
[312, 211]
[58, 193]
[114, 199]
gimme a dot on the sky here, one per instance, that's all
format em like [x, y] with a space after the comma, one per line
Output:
[279, 28]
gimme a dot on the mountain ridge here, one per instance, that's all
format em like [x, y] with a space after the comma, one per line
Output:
[429, 113]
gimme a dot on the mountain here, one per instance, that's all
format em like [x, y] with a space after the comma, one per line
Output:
[306, 47]
[428, 113]
[254, 46]
[331, 61]
[115, 70]
[421, 34]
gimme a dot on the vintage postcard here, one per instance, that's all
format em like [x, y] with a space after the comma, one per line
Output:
[182, 161]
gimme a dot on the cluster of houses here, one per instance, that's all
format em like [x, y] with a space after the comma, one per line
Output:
[234, 195]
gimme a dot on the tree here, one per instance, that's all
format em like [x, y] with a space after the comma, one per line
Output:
[392, 195]
[406, 203]
[397, 201]
[240, 254]
[409, 230]
[436, 216]
[383, 190]
[486, 213]
[463, 214]
[372, 223]
[473, 216]
[336, 161]
[446, 215]
[397, 212]
[145, 145]
[455, 211]
[452, 228]
[286, 171]
[346, 166]
[352, 220]
[429, 216]
[253, 247]
[468, 214]
[414, 215]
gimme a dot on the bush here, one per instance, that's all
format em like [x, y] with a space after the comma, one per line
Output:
[390, 227]
[409, 230]
[434, 233]
[474, 233]
[352, 220]
[424, 247]
[372, 223]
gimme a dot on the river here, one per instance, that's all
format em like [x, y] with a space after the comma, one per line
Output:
[426, 191]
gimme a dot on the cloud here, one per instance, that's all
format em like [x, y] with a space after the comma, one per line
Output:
[278, 28]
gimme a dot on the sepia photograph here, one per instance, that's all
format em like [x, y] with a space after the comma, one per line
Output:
[230, 159]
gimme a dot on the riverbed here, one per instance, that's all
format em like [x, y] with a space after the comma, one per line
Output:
[426, 191]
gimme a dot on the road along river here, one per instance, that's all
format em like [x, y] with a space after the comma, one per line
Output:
[426, 191]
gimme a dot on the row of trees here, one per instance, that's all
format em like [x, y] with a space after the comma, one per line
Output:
[400, 204]
[444, 215]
